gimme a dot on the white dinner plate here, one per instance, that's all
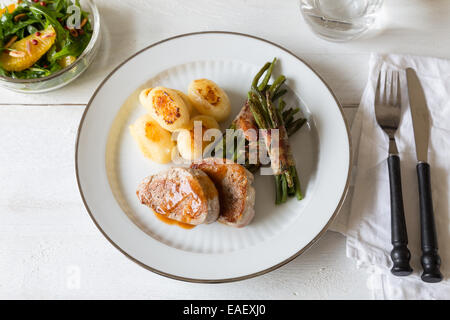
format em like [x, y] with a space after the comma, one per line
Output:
[109, 165]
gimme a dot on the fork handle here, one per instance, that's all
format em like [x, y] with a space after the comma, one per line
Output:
[400, 254]
[430, 258]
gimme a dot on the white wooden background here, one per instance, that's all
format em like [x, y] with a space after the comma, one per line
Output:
[49, 248]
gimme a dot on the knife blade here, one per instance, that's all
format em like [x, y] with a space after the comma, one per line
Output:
[430, 258]
[420, 115]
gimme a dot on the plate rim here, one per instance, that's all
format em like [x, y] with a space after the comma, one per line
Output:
[226, 280]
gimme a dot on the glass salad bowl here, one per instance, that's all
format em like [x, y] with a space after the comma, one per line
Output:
[68, 71]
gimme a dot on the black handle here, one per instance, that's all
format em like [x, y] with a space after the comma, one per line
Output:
[430, 258]
[400, 254]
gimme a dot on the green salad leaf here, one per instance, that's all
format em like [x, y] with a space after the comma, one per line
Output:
[72, 48]
[40, 11]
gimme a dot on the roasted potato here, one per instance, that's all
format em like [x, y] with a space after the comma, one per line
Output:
[187, 146]
[207, 122]
[209, 99]
[186, 100]
[153, 141]
[166, 107]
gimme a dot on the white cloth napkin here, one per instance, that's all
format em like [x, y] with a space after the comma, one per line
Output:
[367, 226]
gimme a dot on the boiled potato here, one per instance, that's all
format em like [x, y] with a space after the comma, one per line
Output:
[207, 122]
[187, 146]
[144, 95]
[209, 99]
[153, 141]
[166, 107]
[177, 158]
[186, 100]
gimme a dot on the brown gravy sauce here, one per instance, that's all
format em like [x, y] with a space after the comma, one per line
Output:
[173, 222]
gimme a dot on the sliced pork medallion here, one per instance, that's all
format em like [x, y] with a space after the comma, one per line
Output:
[182, 194]
[236, 193]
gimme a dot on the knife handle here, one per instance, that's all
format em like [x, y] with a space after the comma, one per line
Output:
[430, 259]
[400, 254]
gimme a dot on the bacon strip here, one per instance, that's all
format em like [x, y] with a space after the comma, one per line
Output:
[277, 145]
[245, 121]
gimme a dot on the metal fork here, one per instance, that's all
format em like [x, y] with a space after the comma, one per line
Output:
[387, 112]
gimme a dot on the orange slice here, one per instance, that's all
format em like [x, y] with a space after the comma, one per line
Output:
[66, 61]
[24, 53]
[10, 9]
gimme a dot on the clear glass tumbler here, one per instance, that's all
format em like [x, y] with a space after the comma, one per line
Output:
[340, 20]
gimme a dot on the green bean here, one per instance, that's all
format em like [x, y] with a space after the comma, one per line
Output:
[290, 113]
[278, 190]
[295, 126]
[289, 121]
[267, 116]
[289, 178]
[240, 142]
[259, 75]
[283, 189]
[266, 79]
[211, 149]
[279, 94]
[263, 105]
[281, 105]
[259, 118]
[272, 113]
[276, 84]
[291, 191]
[298, 191]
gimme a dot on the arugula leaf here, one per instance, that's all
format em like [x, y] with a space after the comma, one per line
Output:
[20, 25]
[61, 34]
[21, 33]
[73, 48]
[31, 29]
[56, 5]
[54, 67]
[7, 19]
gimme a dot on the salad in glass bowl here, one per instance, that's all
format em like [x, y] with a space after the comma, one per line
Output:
[46, 44]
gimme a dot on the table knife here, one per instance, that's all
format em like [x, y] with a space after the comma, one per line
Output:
[421, 125]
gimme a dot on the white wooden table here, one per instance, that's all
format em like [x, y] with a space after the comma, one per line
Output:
[49, 247]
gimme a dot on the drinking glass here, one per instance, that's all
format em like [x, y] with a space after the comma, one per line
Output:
[340, 20]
